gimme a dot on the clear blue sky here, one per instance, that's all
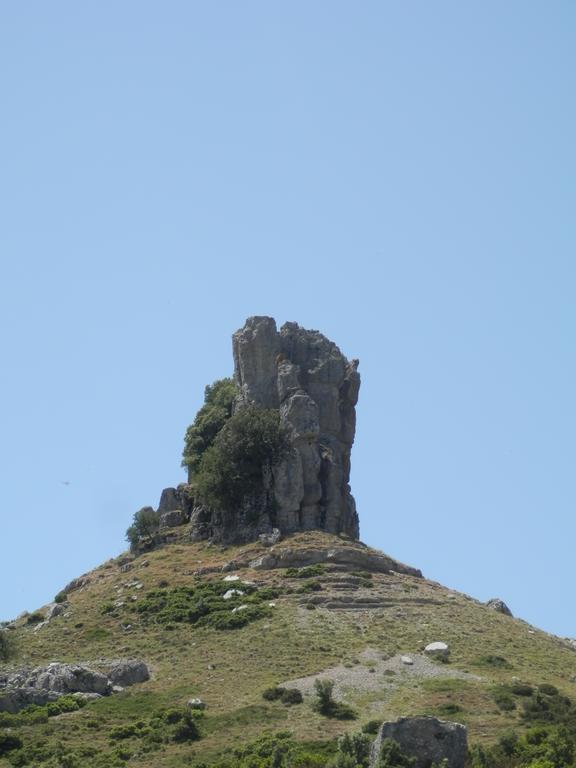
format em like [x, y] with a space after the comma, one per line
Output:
[399, 175]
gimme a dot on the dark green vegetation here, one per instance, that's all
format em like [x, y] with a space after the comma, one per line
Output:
[326, 704]
[229, 455]
[216, 604]
[167, 609]
[34, 715]
[288, 696]
[217, 409]
[7, 645]
[144, 525]
[231, 472]
[138, 738]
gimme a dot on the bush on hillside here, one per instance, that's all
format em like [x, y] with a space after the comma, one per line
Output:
[326, 704]
[217, 409]
[231, 473]
[144, 525]
[7, 645]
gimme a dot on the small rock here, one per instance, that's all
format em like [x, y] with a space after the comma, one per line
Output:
[495, 604]
[231, 578]
[55, 609]
[270, 539]
[128, 672]
[239, 608]
[196, 704]
[230, 594]
[406, 660]
[437, 650]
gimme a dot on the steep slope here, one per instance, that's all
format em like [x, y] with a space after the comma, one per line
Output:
[319, 606]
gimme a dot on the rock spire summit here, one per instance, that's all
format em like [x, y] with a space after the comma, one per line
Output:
[307, 378]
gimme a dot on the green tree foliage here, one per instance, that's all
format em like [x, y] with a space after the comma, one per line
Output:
[144, 525]
[7, 645]
[353, 751]
[549, 743]
[217, 409]
[391, 756]
[326, 704]
[232, 470]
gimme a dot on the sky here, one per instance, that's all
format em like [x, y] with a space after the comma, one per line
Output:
[398, 175]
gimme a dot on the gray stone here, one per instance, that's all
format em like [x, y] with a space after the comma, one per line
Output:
[26, 686]
[56, 609]
[437, 650]
[354, 556]
[169, 500]
[426, 739]
[172, 518]
[270, 539]
[125, 672]
[495, 604]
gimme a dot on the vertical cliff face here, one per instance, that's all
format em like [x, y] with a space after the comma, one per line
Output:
[305, 376]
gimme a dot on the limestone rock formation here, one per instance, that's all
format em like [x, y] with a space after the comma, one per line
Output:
[315, 388]
[428, 740]
[23, 687]
[307, 379]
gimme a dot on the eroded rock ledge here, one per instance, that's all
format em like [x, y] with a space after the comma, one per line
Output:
[367, 560]
[26, 686]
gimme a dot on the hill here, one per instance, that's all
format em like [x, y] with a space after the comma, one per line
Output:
[347, 621]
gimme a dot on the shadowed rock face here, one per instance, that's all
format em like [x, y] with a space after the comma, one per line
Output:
[315, 388]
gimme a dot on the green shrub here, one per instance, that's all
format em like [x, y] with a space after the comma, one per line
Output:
[449, 709]
[521, 689]
[202, 604]
[61, 597]
[186, 729]
[230, 475]
[35, 618]
[326, 705]
[8, 743]
[372, 727]
[7, 645]
[274, 693]
[217, 409]
[503, 699]
[145, 524]
[291, 696]
[548, 690]
[356, 747]
[391, 756]
[497, 662]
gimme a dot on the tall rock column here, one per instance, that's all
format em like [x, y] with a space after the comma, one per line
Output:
[305, 376]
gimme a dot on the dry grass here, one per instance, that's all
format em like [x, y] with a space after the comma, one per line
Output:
[229, 670]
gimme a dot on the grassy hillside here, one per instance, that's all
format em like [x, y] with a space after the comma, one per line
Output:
[329, 622]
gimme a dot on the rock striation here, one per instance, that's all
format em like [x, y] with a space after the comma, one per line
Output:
[307, 378]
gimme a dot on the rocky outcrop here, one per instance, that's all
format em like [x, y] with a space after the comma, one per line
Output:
[353, 557]
[495, 604]
[38, 686]
[315, 388]
[428, 740]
